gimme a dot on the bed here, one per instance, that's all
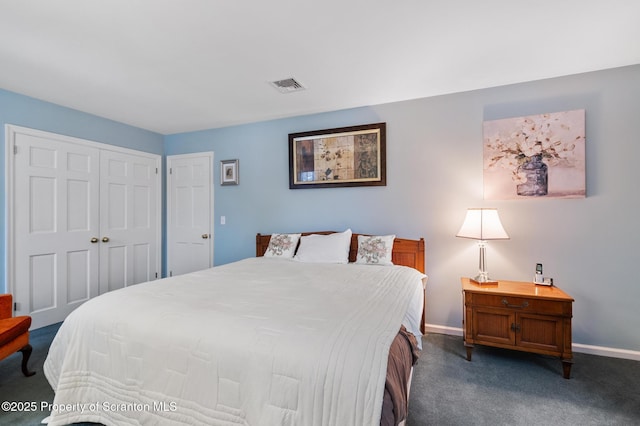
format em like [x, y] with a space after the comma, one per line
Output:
[262, 341]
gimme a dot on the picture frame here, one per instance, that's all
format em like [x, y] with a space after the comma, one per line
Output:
[535, 156]
[229, 172]
[339, 157]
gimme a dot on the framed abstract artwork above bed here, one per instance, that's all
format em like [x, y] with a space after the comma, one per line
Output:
[346, 156]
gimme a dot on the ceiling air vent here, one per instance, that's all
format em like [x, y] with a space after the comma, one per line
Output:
[287, 85]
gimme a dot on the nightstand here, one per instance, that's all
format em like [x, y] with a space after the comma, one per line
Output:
[518, 315]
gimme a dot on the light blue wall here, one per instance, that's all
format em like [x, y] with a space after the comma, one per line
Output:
[434, 173]
[28, 112]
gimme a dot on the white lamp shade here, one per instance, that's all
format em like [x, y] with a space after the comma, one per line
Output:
[482, 224]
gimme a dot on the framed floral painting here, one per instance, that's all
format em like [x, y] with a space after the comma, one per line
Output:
[346, 156]
[535, 156]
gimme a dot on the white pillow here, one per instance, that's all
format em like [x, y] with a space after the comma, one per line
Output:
[282, 245]
[375, 249]
[331, 248]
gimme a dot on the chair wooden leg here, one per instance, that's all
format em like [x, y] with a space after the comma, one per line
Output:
[26, 353]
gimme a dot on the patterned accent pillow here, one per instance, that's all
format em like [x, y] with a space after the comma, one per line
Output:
[282, 245]
[375, 249]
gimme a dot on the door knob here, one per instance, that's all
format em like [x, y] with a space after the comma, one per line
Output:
[105, 239]
[94, 240]
[205, 236]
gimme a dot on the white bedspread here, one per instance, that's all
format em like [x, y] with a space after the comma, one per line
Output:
[256, 342]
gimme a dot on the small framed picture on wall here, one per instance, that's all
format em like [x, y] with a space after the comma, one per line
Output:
[229, 172]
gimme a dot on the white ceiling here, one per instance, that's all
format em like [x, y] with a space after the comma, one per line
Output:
[173, 66]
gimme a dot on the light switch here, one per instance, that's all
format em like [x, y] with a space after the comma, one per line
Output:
[223, 220]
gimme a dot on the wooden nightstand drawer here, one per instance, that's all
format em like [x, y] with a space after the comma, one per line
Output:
[521, 304]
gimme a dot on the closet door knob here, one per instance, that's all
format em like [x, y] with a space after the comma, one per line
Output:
[205, 236]
[105, 239]
[94, 240]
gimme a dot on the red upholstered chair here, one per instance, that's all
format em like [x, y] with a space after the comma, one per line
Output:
[14, 333]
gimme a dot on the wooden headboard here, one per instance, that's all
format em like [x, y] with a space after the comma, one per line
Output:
[405, 252]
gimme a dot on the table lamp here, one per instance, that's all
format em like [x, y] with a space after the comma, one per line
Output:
[482, 224]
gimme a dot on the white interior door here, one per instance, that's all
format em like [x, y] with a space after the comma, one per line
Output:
[55, 211]
[189, 212]
[128, 220]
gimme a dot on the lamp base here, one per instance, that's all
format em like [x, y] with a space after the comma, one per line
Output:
[481, 280]
[483, 276]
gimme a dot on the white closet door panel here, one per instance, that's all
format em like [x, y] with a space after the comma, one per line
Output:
[116, 204]
[42, 204]
[143, 171]
[141, 262]
[116, 167]
[39, 155]
[141, 207]
[55, 214]
[78, 205]
[78, 275]
[129, 218]
[78, 162]
[42, 282]
[115, 270]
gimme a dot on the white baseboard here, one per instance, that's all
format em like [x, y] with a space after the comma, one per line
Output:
[441, 329]
[605, 351]
[576, 347]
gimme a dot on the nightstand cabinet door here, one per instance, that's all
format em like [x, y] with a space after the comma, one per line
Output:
[543, 333]
[493, 325]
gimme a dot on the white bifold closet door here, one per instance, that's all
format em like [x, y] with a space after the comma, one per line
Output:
[84, 219]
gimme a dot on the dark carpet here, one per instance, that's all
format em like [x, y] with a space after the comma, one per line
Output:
[498, 387]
